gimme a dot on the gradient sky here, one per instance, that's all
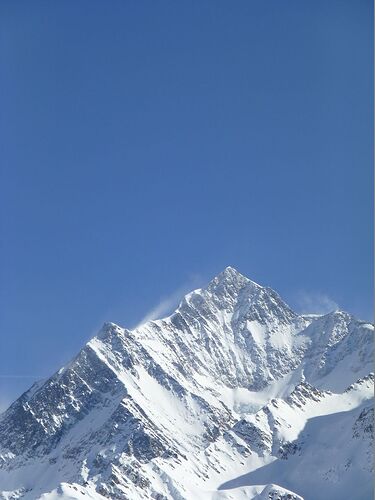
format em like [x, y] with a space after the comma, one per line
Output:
[147, 145]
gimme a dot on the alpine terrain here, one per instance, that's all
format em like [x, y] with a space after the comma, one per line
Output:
[233, 396]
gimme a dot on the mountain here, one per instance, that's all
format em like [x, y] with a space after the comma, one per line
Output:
[233, 396]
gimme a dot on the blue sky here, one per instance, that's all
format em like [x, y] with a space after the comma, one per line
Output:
[147, 145]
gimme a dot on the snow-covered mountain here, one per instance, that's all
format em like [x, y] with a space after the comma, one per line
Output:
[233, 396]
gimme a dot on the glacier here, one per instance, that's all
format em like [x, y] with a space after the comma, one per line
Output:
[233, 396]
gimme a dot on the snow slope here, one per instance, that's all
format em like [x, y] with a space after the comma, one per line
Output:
[233, 396]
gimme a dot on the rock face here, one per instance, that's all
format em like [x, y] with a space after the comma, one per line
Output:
[232, 396]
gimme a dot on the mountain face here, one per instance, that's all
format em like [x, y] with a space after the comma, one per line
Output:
[233, 396]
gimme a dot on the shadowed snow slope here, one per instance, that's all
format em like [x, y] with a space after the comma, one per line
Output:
[233, 396]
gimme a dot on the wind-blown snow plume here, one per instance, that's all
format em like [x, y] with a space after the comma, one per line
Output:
[167, 304]
[318, 302]
[161, 309]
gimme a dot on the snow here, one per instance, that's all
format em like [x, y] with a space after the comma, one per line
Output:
[233, 396]
[328, 450]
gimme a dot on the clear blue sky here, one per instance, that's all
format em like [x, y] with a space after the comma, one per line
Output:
[147, 145]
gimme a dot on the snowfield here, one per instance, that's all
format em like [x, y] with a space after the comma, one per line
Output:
[233, 396]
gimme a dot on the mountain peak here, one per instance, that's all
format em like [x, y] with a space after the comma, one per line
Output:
[235, 294]
[233, 377]
[109, 328]
[232, 278]
[231, 271]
